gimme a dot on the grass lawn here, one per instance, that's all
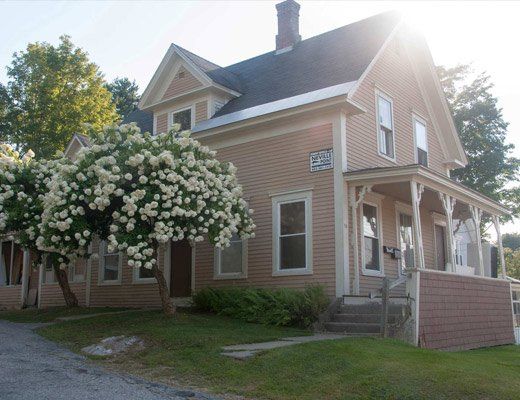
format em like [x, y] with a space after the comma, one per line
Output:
[50, 314]
[186, 350]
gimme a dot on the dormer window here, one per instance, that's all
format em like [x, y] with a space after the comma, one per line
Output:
[421, 141]
[385, 126]
[182, 117]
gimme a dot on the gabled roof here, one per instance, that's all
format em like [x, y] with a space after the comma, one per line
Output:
[332, 58]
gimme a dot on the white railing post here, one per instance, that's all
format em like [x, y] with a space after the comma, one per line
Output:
[416, 192]
[496, 222]
[448, 203]
[476, 215]
[354, 204]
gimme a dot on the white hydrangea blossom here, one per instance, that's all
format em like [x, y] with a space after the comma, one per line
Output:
[138, 191]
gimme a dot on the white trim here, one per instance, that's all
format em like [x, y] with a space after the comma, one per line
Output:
[102, 255]
[217, 263]
[380, 94]
[278, 105]
[368, 272]
[191, 107]
[298, 196]
[405, 209]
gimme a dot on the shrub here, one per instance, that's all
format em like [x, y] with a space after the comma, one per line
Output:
[281, 307]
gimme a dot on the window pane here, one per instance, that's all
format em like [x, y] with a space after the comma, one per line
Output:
[406, 236]
[231, 258]
[111, 271]
[292, 252]
[183, 118]
[516, 295]
[422, 157]
[292, 218]
[420, 135]
[371, 253]
[388, 137]
[370, 220]
[5, 263]
[145, 273]
[516, 307]
[385, 113]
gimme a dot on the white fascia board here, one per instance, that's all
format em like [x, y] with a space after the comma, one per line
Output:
[275, 106]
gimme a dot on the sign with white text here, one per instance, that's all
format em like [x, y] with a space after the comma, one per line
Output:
[321, 160]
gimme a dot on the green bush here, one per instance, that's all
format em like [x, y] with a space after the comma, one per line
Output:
[281, 307]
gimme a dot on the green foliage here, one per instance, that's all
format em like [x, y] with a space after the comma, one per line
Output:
[280, 307]
[482, 130]
[52, 92]
[512, 262]
[511, 240]
[124, 95]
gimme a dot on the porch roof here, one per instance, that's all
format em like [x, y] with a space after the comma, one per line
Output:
[430, 179]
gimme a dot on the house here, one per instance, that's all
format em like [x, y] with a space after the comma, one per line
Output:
[344, 145]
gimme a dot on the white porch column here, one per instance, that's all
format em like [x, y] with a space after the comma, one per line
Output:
[496, 222]
[354, 201]
[416, 192]
[448, 203]
[25, 275]
[476, 215]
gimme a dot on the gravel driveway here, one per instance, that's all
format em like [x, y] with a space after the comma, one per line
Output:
[33, 368]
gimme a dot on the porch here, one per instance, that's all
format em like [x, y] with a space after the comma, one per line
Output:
[423, 232]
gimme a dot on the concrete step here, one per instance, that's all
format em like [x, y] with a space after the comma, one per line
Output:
[363, 318]
[369, 308]
[348, 327]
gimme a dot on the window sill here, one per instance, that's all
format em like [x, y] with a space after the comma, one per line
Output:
[222, 277]
[383, 155]
[377, 274]
[144, 281]
[109, 283]
[292, 272]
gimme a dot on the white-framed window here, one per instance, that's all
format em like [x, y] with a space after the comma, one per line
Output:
[385, 126]
[516, 301]
[11, 263]
[110, 265]
[292, 233]
[231, 262]
[405, 237]
[75, 272]
[421, 141]
[144, 275]
[372, 254]
[183, 116]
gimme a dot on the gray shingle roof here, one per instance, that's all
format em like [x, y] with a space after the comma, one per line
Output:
[334, 57]
[143, 119]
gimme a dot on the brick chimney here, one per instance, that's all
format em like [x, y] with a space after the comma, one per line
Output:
[288, 25]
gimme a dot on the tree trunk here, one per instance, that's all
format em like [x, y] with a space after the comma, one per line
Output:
[70, 298]
[167, 304]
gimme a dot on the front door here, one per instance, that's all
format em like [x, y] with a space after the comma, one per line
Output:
[180, 276]
[440, 247]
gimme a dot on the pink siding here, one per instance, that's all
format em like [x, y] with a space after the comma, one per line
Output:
[463, 312]
[10, 297]
[183, 82]
[273, 165]
[162, 123]
[201, 111]
[126, 294]
[52, 296]
[394, 76]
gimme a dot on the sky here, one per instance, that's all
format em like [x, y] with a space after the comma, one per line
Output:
[129, 38]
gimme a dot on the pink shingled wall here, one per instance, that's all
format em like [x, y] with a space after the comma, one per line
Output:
[463, 312]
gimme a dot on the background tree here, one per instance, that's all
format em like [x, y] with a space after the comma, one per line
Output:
[512, 262]
[491, 169]
[52, 92]
[125, 95]
[511, 241]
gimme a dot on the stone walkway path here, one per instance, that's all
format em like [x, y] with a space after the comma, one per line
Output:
[244, 351]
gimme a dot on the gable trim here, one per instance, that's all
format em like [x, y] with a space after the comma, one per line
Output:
[75, 138]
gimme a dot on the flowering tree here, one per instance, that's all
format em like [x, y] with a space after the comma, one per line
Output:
[138, 191]
[23, 184]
